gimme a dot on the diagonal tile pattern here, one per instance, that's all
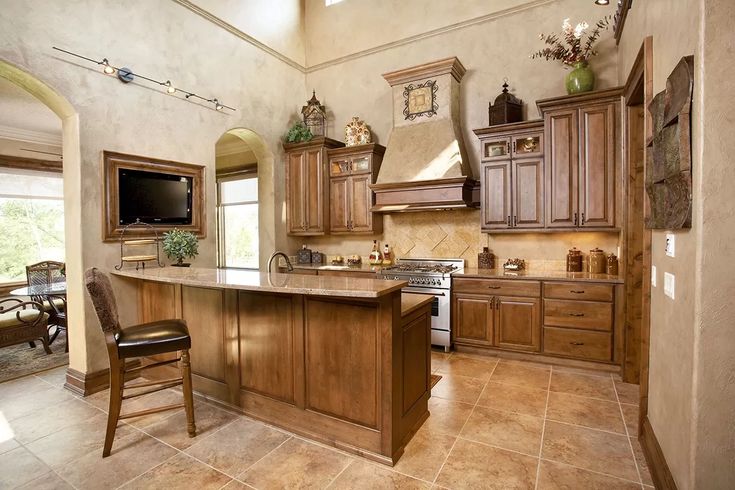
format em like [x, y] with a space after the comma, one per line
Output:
[493, 424]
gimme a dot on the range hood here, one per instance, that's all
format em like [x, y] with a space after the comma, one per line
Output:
[425, 165]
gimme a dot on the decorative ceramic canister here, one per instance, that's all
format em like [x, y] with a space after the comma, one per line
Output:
[357, 133]
[598, 261]
[485, 259]
[612, 265]
[303, 256]
[317, 258]
[575, 260]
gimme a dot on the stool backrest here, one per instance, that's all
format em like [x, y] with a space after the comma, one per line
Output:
[100, 290]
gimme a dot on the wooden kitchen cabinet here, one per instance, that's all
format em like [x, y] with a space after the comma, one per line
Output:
[351, 171]
[582, 133]
[511, 176]
[307, 186]
[518, 323]
[474, 319]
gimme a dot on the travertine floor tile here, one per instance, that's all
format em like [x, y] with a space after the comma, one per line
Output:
[296, 464]
[40, 423]
[587, 372]
[513, 398]
[589, 449]
[628, 393]
[9, 444]
[237, 446]
[589, 412]
[447, 416]
[630, 414]
[48, 481]
[56, 376]
[458, 388]
[131, 456]
[38, 398]
[473, 465]
[158, 399]
[20, 386]
[583, 385]
[181, 471]
[425, 454]
[641, 460]
[529, 364]
[173, 431]
[362, 475]
[514, 431]
[18, 467]
[520, 375]
[557, 476]
[466, 366]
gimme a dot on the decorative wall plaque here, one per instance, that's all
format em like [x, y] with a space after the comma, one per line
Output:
[669, 154]
[420, 100]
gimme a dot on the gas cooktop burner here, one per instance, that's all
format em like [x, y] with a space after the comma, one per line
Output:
[422, 268]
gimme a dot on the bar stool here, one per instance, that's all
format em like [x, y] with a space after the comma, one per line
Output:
[147, 339]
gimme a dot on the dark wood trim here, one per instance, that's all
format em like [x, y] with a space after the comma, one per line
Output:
[620, 16]
[245, 169]
[351, 150]
[550, 230]
[85, 384]
[537, 124]
[460, 192]
[6, 287]
[660, 472]
[314, 142]
[597, 96]
[8, 161]
[112, 161]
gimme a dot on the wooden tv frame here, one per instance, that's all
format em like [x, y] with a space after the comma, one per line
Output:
[113, 161]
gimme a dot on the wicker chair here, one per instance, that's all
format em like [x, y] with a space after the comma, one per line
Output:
[47, 273]
[143, 340]
[23, 321]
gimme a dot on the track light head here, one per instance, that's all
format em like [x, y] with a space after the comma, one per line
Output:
[107, 68]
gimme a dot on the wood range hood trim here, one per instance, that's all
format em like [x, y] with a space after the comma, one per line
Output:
[427, 195]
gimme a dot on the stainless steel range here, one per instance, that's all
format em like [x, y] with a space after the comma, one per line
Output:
[431, 277]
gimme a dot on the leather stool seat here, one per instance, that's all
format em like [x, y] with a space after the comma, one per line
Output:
[153, 338]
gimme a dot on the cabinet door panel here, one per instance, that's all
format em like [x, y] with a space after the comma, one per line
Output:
[339, 204]
[473, 319]
[562, 161]
[518, 324]
[597, 166]
[361, 200]
[528, 193]
[295, 195]
[496, 195]
[314, 191]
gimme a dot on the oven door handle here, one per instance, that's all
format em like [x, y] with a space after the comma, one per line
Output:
[421, 291]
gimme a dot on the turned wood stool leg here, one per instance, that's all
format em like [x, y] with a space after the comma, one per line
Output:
[116, 394]
[188, 396]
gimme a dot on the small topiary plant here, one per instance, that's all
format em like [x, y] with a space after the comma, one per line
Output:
[298, 133]
[179, 245]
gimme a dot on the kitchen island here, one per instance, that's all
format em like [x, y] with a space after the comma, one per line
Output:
[341, 360]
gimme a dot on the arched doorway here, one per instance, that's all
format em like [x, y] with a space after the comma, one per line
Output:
[72, 204]
[245, 214]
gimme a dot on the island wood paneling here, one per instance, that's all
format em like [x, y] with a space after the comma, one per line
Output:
[159, 301]
[416, 381]
[206, 327]
[341, 341]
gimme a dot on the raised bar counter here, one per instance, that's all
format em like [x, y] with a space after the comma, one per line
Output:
[341, 360]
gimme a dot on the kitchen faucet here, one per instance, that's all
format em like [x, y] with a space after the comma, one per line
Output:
[289, 267]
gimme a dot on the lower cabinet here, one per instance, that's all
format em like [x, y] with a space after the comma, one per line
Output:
[474, 319]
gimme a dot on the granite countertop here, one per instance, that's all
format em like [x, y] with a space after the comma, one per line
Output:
[262, 281]
[412, 302]
[540, 275]
[366, 268]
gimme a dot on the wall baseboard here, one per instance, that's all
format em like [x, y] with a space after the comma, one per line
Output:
[660, 472]
[85, 384]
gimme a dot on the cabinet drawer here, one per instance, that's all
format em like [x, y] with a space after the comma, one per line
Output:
[582, 344]
[499, 287]
[578, 314]
[578, 290]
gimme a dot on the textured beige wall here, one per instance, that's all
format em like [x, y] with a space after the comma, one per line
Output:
[160, 39]
[674, 27]
[356, 88]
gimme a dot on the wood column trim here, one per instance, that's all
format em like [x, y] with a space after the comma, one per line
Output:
[662, 477]
[85, 384]
[8, 161]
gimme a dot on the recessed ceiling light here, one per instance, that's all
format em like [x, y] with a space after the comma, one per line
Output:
[602, 2]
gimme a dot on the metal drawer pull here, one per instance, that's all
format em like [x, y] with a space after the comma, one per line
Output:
[576, 292]
[576, 343]
[494, 287]
[576, 314]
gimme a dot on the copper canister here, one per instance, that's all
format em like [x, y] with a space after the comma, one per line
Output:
[485, 259]
[574, 260]
[598, 261]
[612, 265]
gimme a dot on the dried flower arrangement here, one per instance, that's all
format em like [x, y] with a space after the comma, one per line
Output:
[569, 47]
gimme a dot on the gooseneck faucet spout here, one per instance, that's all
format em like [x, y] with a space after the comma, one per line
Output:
[289, 267]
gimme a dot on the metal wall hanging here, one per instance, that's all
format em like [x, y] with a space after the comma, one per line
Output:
[621, 13]
[315, 116]
[669, 158]
[420, 100]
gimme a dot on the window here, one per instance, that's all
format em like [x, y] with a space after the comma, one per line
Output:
[31, 220]
[237, 211]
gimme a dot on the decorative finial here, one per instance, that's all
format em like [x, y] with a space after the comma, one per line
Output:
[505, 85]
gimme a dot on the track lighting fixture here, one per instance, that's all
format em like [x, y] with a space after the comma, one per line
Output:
[107, 68]
[170, 88]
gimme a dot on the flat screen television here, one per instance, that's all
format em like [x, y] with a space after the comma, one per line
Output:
[154, 197]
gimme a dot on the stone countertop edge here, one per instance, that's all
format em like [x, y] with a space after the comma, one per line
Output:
[412, 302]
[366, 268]
[346, 287]
[538, 276]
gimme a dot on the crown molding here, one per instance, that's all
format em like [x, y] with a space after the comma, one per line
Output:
[446, 66]
[366, 52]
[38, 137]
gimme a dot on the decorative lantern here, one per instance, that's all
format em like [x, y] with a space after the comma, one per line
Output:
[507, 108]
[315, 116]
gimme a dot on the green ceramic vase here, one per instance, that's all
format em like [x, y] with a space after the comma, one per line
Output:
[580, 79]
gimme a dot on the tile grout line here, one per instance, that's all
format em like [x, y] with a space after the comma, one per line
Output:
[51, 470]
[543, 428]
[146, 471]
[625, 425]
[331, 482]
[259, 460]
[463, 425]
[590, 471]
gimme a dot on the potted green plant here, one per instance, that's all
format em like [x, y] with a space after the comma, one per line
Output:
[573, 51]
[298, 133]
[179, 245]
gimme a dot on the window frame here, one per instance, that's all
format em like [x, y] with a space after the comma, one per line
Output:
[220, 206]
